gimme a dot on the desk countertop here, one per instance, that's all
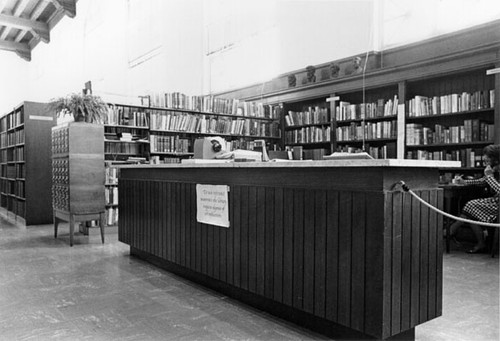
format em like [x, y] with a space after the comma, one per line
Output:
[398, 163]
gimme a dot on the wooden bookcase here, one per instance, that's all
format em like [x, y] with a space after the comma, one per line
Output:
[126, 133]
[111, 193]
[126, 137]
[453, 65]
[308, 128]
[173, 130]
[25, 178]
[78, 173]
[448, 117]
[451, 118]
[165, 133]
[367, 120]
[354, 121]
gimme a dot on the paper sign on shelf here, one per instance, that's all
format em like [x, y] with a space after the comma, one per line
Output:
[212, 204]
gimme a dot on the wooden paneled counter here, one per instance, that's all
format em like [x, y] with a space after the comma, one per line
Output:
[336, 246]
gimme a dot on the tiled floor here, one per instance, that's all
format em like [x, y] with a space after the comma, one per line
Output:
[91, 291]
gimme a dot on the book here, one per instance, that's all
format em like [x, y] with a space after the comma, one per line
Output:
[348, 156]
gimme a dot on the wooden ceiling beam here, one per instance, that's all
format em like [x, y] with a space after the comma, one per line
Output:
[34, 16]
[39, 29]
[21, 49]
[23, 24]
[17, 12]
[68, 6]
[3, 3]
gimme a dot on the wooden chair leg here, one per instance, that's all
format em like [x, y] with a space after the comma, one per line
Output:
[101, 225]
[71, 228]
[55, 225]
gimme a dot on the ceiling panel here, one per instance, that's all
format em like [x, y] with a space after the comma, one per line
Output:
[24, 23]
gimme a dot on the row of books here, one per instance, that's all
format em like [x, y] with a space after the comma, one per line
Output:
[471, 131]
[5, 186]
[20, 171]
[452, 103]
[156, 159]
[387, 151]
[111, 175]
[315, 154]
[370, 131]
[9, 171]
[313, 115]
[212, 104]
[111, 195]
[12, 120]
[122, 148]
[127, 116]
[19, 207]
[346, 111]
[12, 154]
[19, 189]
[180, 122]
[111, 216]
[309, 135]
[12, 138]
[16, 154]
[13, 171]
[247, 145]
[469, 157]
[169, 144]
[119, 130]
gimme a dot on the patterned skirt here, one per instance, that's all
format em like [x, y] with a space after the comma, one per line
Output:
[484, 209]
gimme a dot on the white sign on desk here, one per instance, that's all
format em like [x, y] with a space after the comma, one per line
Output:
[212, 204]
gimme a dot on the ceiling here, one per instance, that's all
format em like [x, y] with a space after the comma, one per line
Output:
[24, 23]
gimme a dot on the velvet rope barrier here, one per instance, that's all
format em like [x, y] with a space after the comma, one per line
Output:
[407, 189]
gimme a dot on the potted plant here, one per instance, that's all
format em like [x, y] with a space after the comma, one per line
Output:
[84, 108]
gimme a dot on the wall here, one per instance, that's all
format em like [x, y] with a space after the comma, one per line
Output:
[13, 80]
[282, 36]
[129, 48]
[126, 48]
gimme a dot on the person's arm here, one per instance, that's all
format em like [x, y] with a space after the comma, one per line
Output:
[490, 179]
[475, 182]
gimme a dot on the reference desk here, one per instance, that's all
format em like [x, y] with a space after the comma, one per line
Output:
[335, 246]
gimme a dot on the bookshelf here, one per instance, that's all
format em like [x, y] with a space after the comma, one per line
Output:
[165, 131]
[451, 118]
[367, 121]
[126, 137]
[453, 66]
[360, 121]
[174, 128]
[111, 193]
[126, 133]
[25, 167]
[308, 128]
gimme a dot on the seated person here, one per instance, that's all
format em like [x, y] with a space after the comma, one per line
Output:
[484, 209]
